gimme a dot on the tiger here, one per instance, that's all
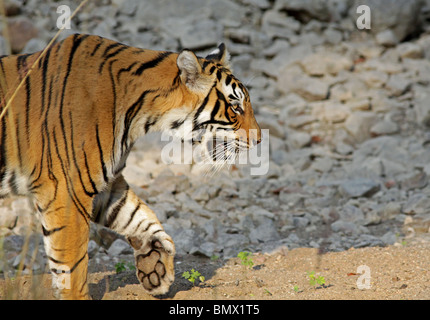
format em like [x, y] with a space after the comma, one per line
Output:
[66, 136]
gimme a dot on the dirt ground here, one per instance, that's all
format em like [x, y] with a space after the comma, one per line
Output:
[395, 272]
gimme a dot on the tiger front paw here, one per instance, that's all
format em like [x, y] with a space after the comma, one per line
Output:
[154, 262]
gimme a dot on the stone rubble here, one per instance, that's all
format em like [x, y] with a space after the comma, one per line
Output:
[347, 110]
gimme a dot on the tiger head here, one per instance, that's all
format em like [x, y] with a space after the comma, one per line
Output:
[222, 118]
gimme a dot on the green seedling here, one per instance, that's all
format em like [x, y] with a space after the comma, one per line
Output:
[123, 266]
[268, 292]
[214, 257]
[192, 276]
[246, 258]
[314, 280]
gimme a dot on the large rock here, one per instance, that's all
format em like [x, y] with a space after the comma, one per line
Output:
[359, 124]
[201, 34]
[277, 24]
[21, 30]
[320, 64]
[12, 7]
[329, 111]
[293, 79]
[118, 247]
[359, 187]
[305, 10]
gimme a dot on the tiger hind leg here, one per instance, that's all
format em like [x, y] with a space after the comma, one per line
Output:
[120, 209]
[66, 235]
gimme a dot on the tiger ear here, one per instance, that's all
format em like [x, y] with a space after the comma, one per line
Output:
[191, 71]
[220, 55]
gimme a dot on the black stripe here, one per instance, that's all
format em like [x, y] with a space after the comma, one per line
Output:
[176, 124]
[150, 122]
[151, 64]
[228, 80]
[22, 66]
[78, 262]
[129, 116]
[221, 96]
[114, 213]
[176, 81]
[18, 145]
[215, 109]
[205, 64]
[233, 97]
[47, 233]
[114, 140]
[219, 75]
[125, 70]
[132, 215]
[101, 154]
[148, 226]
[44, 67]
[55, 261]
[12, 183]
[224, 123]
[49, 161]
[20, 63]
[31, 186]
[212, 69]
[111, 46]
[93, 185]
[70, 187]
[113, 54]
[3, 150]
[97, 47]
[27, 109]
[2, 67]
[76, 42]
[84, 285]
[75, 161]
[201, 108]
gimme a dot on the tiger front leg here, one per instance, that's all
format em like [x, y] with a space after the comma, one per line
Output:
[122, 211]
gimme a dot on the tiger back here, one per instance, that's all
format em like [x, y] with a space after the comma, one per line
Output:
[68, 131]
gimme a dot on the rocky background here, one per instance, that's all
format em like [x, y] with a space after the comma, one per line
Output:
[348, 112]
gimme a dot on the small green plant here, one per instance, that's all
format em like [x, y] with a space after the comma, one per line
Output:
[314, 280]
[268, 292]
[246, 258]
[214, 257]
[193, 275]
[123, 266]
[403, 242]
[296, 288]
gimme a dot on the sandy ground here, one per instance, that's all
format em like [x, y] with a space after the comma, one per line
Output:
[395, 272]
